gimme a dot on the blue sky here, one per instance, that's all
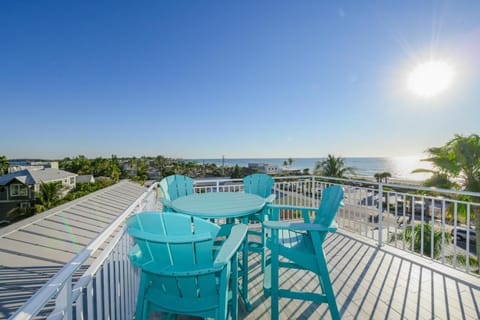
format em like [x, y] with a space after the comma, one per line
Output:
[202, 79]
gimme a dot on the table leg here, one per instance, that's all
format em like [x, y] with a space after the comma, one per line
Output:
[248, 305]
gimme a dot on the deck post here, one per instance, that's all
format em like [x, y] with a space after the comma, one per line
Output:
[380, 211]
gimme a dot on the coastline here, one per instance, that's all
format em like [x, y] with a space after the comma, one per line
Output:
[365, 167]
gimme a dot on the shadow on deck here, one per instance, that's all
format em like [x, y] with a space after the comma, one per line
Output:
[373, 283]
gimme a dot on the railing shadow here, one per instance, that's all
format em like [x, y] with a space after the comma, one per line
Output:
[390, 284]
[373, 283]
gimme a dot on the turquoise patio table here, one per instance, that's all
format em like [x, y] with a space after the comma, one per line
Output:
[224, 205]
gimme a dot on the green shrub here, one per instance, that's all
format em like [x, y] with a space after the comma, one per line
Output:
[415, 235]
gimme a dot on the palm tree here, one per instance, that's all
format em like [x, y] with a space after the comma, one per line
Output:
[290, 161]
[386, 175]
[382, 176]
[49, 195]
[236, 173]
[3, 165]
[458, 160]
[332, 167]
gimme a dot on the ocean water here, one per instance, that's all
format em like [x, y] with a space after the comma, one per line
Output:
[399, 167]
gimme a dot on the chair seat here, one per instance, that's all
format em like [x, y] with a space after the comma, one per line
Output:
[298, 248]
[200, 306]
[293, 240]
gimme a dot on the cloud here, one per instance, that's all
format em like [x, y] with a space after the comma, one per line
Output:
[341, 13]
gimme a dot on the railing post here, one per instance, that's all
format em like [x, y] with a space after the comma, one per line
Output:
[312, 192]
[64, 300]
[380, 213]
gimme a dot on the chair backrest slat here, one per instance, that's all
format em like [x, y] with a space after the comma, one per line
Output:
[331, 202]
[176, 186]
[259, 184]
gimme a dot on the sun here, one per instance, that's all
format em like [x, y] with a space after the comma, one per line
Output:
[430, 78]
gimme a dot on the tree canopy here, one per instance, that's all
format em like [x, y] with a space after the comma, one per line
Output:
[457, 165]
[4, 165]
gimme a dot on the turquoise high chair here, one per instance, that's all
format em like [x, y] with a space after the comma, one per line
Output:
[181, 273]
[301, 244]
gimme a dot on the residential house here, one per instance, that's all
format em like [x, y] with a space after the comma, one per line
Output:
[17, 189]
[130, 170]
[291, 171]
[85, 178]
[264, 168]
[31, 165]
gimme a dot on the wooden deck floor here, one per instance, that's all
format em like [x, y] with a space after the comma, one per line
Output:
[372, 283]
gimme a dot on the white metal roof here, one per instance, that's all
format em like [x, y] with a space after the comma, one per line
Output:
[34, 249]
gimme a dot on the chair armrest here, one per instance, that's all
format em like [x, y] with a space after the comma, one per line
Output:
[290, 225]
[270, 198]
[287, 207]
[314, 227]
[232, 244]
[277, 224]
[181, 271]
[166, 203]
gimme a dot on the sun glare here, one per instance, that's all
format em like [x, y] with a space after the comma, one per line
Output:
[430, 78]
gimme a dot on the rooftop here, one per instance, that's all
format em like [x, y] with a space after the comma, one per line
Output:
[369, 281]
[29, 176]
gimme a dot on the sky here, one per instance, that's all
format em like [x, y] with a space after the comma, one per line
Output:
[259, 79]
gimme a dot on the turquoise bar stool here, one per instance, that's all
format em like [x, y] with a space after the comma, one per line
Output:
[301, 243]
[181, 273]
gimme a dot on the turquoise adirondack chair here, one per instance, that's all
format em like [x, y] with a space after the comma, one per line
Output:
[261, 185]
[181, 273]
[173, 187]
[301, 244]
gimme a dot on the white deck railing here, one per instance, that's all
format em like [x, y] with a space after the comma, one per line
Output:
[107, 290]
[387, 212]
[383, 212]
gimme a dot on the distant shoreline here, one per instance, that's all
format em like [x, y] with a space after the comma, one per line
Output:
[400, 168]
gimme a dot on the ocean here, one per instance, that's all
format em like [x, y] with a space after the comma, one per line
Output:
[399, 167]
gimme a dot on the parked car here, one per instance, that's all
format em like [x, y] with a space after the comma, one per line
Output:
[462, 234]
